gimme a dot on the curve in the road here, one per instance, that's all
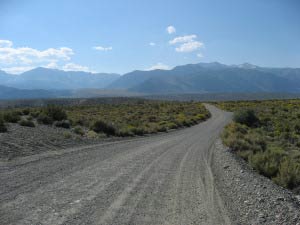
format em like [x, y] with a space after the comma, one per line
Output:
[164, 179]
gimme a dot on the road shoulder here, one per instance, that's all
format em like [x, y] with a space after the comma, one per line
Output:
[250, 197]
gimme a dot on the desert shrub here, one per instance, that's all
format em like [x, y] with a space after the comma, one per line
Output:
[171, 125]
[81, 122]
[103, 127]
[153, 119]
[297, 128]
[138, 131]
[92, 134]
[268, 162]
[125, 132]
[30, 118]
[56, 113]
[246, 116]
[26, 111]
[162, 129]
[64, 124]
[289, 173]
[243, 140]
[34, 113]
[44, 119]
[78, 130]
[11, 117]
[67, 135]
[26, 123]
[3, 128]
[270, 142]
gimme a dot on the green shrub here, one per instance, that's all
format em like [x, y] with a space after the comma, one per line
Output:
[246, 116]
[103, 127]
[92, 134]
[35, 113]
[3, 128]
[268, 162]
[64, 124]
[29, 118]
[26, 111]
[138, 131]
[26, 123]
[289, 173]
[44, 119]
[11, 117]
[67, 135]
[268, 139]
[56, 113]
[78, 130]
[125, 132]
[162, 129]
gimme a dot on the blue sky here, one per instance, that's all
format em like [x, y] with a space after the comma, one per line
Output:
[115, 36]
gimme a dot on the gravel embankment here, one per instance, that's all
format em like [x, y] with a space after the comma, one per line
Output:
[252, 198]
[22, 141]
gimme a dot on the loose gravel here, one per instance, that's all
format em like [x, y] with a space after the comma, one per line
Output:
[252, 198]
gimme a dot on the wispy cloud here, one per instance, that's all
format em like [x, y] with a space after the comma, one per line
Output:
[183, 39]
[75, 67]
[152, 44]
[171, 29]
[101, 48]
[187, 43]
[17, 69]
[159, 66]
[199, 55]
[189, 46]
[5, 44]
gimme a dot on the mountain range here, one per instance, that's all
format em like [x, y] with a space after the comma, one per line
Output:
[53, 79]
[192, 78]
[211, 78]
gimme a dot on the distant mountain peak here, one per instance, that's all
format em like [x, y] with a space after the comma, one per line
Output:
[247, 66]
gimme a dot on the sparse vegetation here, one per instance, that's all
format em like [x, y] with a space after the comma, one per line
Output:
[104, 127]
[267, 135]
[137, 117]
[246, 116]
[26, 123]
[67, 135]
[44, 119]
[64, 124]
[116, 117]
[11, 116]
[56, 113]
[78, 130]
[3, 128]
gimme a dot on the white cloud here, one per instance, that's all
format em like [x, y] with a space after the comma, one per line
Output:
[189, 46]
[199, 55]
[16, 60]
[52, 65]
[159, 66]
[28, 56]
[183, 39]
[152, 44]
[186, 43]
[5, 44]
[101, 48]
[17, 69]
[171, 29]
[75, 67]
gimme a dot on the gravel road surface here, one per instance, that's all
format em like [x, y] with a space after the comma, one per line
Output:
[163, 179]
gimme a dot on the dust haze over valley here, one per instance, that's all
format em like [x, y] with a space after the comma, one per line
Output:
[149, 112]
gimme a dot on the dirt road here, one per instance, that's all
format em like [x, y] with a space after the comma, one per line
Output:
[163, 179]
